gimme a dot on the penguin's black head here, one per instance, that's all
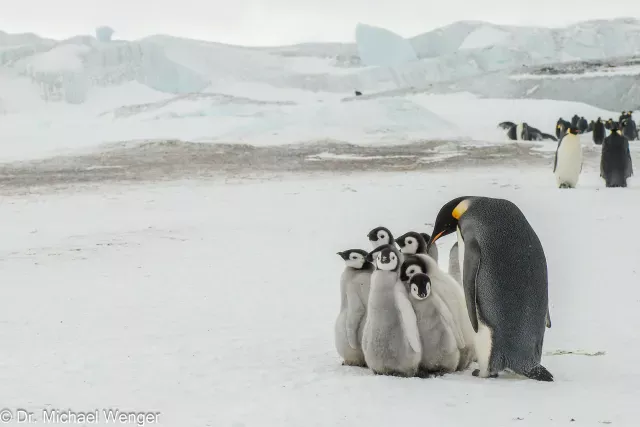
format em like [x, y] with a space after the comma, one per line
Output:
[380, 236]
[355, 258]
[447, 220]
[420, 286]
[574, 131]
[412, 265]
[412, 243]
[387, 258]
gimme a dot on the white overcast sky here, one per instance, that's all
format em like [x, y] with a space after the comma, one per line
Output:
[275, 22]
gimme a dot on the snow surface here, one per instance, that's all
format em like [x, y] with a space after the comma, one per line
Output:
[124, 296]
[381, 47]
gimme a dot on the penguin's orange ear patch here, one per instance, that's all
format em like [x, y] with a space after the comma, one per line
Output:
[460, 209]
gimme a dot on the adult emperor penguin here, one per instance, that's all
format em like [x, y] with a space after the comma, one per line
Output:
[440, 334]
[583, 125]
[451, 293]
[599, 132]
[567, 163]
[390, 340]
[354, 295]
[380, 236]
[615, 160]
[629, 129]
[505, 283]
[412, 243]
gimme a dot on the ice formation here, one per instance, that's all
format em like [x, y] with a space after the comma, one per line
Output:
[381, 47]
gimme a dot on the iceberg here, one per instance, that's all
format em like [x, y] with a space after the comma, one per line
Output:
[381, 47]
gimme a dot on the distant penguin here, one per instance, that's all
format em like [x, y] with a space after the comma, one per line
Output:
[450, 292]
[615, 160]
[412, 243]
[567, 163]
[599, 132]
[440, 334]
[524, 132]
[574, 121]
[561, 127]
[391, 340]
[505, 283]
[610, 124]
[454, 266]
[358, 93]
[381, 236]
[583, 125]
[629, 129]
[354, 294]
[623, 116]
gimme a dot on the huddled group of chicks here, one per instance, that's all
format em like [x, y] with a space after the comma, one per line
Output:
[422, 329]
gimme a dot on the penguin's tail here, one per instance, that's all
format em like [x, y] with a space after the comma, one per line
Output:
[547, 136]
[539, 373]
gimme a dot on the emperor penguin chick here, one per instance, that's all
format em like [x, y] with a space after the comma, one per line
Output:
[380, 236]
[354, 295]
[412, 243]
[567, 163]
[390, 341]
[451, 293]
[440, 334]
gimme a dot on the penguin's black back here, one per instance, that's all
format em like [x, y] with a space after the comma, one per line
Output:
[511, 282]
[615, 160]
[599, 133]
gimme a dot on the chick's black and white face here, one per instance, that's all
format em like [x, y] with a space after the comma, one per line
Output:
[387, 260]
[355, 260]
[412, 269]
[420, 286]
[410, 246]
[379, 237]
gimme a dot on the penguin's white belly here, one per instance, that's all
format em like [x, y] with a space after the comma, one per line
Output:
[519, 132]
[569, 162]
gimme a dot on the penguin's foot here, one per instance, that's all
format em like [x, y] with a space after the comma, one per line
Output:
[476, 373]
[425, 373]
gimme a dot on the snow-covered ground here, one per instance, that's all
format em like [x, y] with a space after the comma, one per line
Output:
[213, 302]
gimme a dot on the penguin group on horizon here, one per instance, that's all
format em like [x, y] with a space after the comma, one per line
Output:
[402, 315]
[615, 157]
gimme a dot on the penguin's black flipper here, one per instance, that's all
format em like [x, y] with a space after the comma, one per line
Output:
[539, 373]
[470, 273]
[506, 125]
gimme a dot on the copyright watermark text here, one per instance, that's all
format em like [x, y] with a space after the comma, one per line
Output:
[68, 416]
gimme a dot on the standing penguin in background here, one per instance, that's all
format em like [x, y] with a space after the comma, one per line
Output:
[599, 132]
[615, 160]
[567, 163]
[629, 129]
[390, 340]
[505, 283]
[440, 334]
[354, 294]
[561, 127]
[574, 121]
[412, 243]
[583, 125]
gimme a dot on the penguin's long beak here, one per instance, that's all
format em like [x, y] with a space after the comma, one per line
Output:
[434, 238]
